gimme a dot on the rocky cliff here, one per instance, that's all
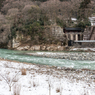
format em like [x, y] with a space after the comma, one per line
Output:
[55, 41]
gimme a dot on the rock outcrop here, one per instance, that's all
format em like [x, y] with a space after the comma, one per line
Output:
[42, 48]
[55, 41]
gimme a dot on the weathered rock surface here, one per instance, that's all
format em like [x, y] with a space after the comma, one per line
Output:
[40, 47]
[35, 47]
[23, 48]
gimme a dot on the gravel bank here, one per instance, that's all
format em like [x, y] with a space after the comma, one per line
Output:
[70, 55]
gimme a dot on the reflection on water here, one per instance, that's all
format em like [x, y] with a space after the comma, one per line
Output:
[22, 57]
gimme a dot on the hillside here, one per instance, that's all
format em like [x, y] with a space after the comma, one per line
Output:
[35, 18]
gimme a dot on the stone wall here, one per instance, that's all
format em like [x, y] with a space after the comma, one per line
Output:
[57, 32]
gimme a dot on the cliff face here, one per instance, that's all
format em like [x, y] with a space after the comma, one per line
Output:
[55, 40]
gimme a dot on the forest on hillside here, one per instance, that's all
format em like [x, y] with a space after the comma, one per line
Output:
[32, 16]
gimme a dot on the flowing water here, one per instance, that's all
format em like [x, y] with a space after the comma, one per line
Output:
[22, 57]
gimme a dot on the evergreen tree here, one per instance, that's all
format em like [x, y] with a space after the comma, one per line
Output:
[83, 13]
[84, 4]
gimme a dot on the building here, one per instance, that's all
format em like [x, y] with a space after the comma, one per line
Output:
[73, 34]
[92, 21]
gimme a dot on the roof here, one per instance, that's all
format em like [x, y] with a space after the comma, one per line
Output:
[73, 19]
[69, 28]
[91, 18]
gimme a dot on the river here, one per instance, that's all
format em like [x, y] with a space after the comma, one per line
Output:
[23, 57]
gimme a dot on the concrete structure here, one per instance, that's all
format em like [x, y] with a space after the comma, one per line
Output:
[92, 20]
[88, 37]
[74, 34]
[89, 33]
[85, 43]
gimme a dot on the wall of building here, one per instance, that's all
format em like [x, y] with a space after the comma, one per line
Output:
[75, 36]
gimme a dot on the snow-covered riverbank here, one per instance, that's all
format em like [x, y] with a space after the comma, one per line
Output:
[31, 79]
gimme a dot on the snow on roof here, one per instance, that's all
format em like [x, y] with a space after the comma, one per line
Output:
[91, 18]
[74, 19]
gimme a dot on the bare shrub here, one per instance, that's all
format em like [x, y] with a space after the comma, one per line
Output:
[23, 71]
[26, 9]
[12, 11]
[9, 80]
[35, 82]
[2, 19]
[49, 83]
[34, 85]
[6, 65]
[15, 79]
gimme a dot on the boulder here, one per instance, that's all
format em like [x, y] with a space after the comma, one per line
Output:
[43, 48]
[15, 43]
[23, 48]
[48, 48]
[32, 48]
[36, 48]
[60, 48]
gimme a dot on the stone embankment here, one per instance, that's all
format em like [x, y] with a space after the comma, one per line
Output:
[67, 55]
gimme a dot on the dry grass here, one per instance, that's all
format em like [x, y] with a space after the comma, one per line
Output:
[16, 89]
[34, 85]
[23, 71]
[58, 90]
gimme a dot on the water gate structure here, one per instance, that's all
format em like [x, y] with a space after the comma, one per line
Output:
[78, 37]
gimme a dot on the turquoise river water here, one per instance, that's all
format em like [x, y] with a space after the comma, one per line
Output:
[22, 57]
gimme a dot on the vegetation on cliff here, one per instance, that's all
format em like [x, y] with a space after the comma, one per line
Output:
[35, 17]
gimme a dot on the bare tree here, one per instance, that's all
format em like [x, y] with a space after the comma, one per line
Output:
[9, 81]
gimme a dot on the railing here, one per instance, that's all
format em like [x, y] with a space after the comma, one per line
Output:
[85, 41]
